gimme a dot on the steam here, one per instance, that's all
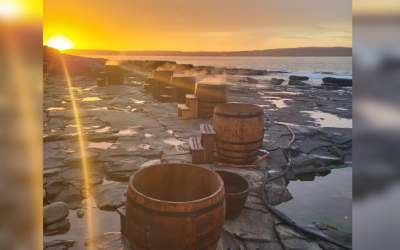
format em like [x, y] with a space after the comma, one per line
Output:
[205, 75]
[113, 62]
[182, 70]
[214, 79]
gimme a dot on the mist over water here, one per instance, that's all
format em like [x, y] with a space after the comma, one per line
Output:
[313, 67]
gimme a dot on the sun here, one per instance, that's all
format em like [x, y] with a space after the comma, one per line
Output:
[59, 42]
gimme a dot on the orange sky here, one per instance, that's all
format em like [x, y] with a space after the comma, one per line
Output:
[206, 25]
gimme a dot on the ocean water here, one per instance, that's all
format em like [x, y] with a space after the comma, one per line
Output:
[314, 67]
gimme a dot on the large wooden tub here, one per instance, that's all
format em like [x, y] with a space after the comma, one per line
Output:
[175, 207]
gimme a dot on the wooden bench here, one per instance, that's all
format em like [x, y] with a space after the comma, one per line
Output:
[193, 103]
[184, 111]
[197, 150]
[207, 140]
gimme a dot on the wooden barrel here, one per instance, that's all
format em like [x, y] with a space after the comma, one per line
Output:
[156, 93]
[101, 82]
[163, 77]
[185, 85]
[210, 95]
[239, 131]
[115, 74]
[175, 207]
[236, 192]
[152, 81]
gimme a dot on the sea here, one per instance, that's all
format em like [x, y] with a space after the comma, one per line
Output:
[315, 68]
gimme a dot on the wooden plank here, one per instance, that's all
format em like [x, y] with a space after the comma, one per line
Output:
[197, 150]
[207, 129]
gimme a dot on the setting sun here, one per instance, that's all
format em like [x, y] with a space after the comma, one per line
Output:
[59, 42]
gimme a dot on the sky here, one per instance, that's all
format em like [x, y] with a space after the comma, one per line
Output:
[206, 25]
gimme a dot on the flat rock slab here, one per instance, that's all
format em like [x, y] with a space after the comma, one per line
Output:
[270, 246]
[108, 241]
[124, 164]
[277, 194]
[252, 225]
[309, 145]
[226, 242]
[109, 196]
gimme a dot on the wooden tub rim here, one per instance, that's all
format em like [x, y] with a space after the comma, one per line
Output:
[233, 110]
[175, 205]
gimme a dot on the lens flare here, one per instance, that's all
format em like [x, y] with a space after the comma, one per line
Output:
[59, 42]
[10, 9]
[85, 166]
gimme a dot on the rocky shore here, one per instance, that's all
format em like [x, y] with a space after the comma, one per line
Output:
[124, 129]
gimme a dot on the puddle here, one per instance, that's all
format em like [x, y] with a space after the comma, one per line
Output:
[134, 110]
[80, 89]
[103, 130]
[91, 99]
[148, 135]
[149, 163]
[282, 93]
[137, 101]
[127, 132]
[103, 222]
[174, 142]
[63, 102]
[170, 132]
[101, 145]
[55, 108]
[325, 199]
[341, 109]
[329, 120]
[280, 103]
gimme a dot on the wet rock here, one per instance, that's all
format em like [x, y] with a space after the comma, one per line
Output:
[328, 160]
[237, 90]
[73, 174]
[225, 242]
[337, 140]
[270, 246]
[52, 138]
[277, 194]
[179, 158]
[276, 81]
[297, 244]
[71, 195]
[85, 193]
[55, 212]
[286, 232]
[108, 241]
[51, 172]
[309, 169]
[297, 83]
[341, 237]
[255, 203]
[96, 179]
[322, 170]
[52, 245]
[338, 81]
[327, 246]
[80, 213]
[251, 245]
[109, 196]
[252, 225]
[75, 159]
[58, 225]
[309, 145]
[124, 164]
[298, 78]
[252, 80]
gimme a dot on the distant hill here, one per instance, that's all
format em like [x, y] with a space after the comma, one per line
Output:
[295, 52]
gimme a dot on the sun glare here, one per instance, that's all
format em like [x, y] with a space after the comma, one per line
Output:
[10, 9]
[59, 42]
